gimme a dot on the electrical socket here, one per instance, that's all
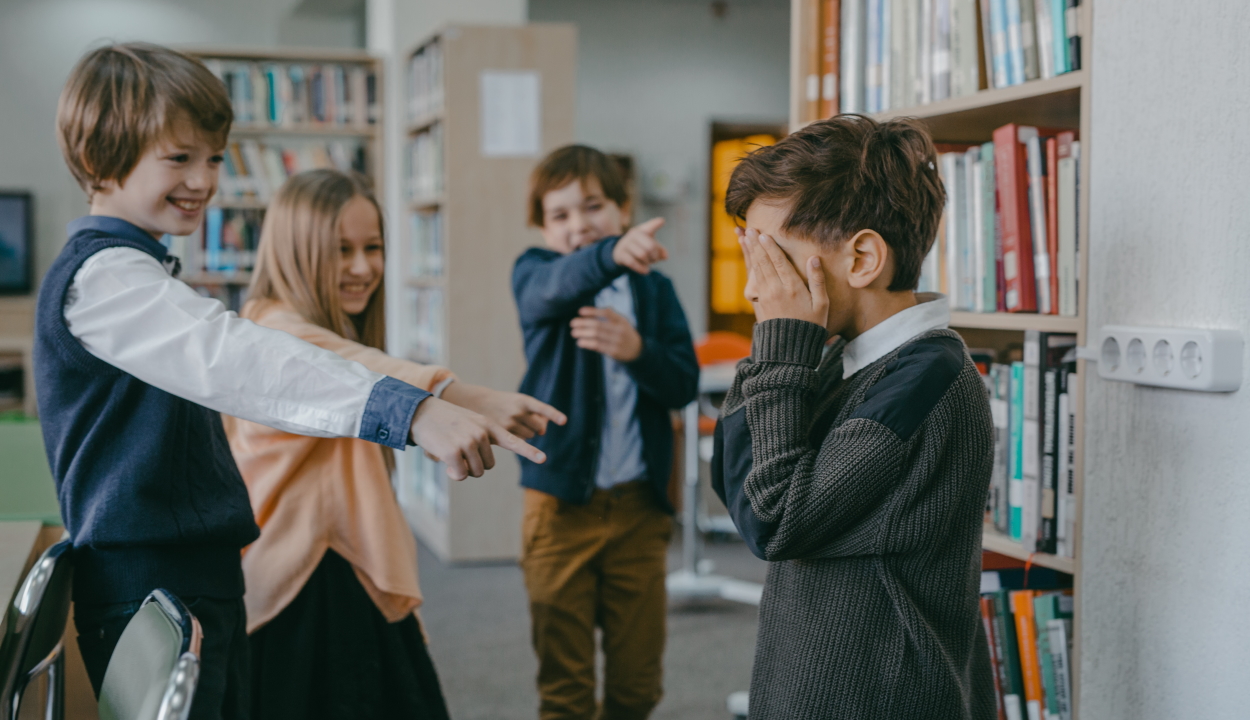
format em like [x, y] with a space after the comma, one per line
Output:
[1187, 359]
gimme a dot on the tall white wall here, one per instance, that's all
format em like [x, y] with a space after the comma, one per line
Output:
[651, 77]
[40, 40]
[1166, 569]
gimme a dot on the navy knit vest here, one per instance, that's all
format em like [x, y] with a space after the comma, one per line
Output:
[149, 491]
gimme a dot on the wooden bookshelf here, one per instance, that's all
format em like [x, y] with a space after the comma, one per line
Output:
[1062, 101]
[231, 286]
[452, 301]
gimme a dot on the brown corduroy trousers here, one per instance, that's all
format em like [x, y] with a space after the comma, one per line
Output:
[600, 564]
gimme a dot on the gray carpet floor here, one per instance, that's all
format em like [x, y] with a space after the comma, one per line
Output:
[478, 622]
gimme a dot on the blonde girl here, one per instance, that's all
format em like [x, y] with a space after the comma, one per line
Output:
[332, 582]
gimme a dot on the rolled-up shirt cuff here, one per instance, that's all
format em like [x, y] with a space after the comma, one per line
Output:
[388, 413]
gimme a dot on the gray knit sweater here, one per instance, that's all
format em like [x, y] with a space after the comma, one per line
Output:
[866, 494]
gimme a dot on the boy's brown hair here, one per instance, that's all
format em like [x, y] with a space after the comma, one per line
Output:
[846, 174]
[575, 162]
[121, 98]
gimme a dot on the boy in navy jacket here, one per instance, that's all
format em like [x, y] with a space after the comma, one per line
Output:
[607, 344]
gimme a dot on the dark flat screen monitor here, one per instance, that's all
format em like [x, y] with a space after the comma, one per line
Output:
[17, 243]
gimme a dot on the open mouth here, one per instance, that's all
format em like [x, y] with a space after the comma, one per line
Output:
[354, 288]
[187, 206]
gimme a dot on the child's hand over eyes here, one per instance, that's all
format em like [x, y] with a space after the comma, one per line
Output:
[638, 248]
[775, 288]
[520, 415]
[461, 439]
[606, 331]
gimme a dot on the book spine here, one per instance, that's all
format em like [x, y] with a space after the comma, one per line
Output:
[1029, 461]
[987, 623]
[1043, 613]
[976, 225]
[872, 82]
[852, 99]
[1000, 413]
[1015, 46]
[1028, 39]
[1065, 223]
[1045, 38]
[1000, 59]
[813, 27]
[951, 178]
[1062, 463]
[1011, 178]
[899, 23]
[941, 49]
[831, 19]
[989, 228]
[1010, 675]
[1037, 215]
[965, 44]
[1059, 631]
[984, 22]
[884, 50]
[1015, 488]
[970, 254]
[1026, 639]
[925, 69]
[1052, 220]
[1069, 478]
[1046, 534]
[1071, 22]
[1059, 35]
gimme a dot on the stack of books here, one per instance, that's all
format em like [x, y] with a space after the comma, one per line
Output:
[868, 56]
[231, 237]
[426, 244]
[254, 171]
[1032, 496]
[1009, 237]
[425, 164]
[425, 82]
[1029, 632]
[296, 95]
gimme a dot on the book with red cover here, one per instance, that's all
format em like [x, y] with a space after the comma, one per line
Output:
[1011, 176]
[987, 621]
[814, 30]
[831, 31]
[1052, 219]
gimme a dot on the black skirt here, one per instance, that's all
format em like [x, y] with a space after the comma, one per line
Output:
[332, 654]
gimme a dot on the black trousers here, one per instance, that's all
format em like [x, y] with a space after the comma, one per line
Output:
[225, 674]
[332, 654]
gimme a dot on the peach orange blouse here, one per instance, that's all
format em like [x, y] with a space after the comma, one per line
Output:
[310, 494]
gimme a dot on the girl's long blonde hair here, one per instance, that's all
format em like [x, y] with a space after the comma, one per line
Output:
[298, 263]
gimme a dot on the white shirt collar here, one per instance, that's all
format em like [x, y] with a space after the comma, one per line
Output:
[932, 311]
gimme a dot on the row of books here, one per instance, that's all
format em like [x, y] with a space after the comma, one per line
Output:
[295, 95]
[425, 82]
[869, 56]
[428, 340]
[729, 272]
[425, 244]
[255, 170]
[1009, 238]
[1029, 632]
[425, 164]
[1032, 495]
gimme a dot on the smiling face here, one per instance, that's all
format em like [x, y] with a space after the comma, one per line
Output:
[169, 187]
[361, 252]
[577, 214]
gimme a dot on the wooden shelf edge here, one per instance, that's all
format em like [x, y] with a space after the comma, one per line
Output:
[1017, 322]
[989, 98]
[306, 131]
[994, 541]
[308, 54]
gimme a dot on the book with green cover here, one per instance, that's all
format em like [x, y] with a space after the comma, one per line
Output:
[1010, 679]
[1015, 480]
[1047, 607]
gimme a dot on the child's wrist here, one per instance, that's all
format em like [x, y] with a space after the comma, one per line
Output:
[787, 340]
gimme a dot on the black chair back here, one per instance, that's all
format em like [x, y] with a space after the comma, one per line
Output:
[33, 627]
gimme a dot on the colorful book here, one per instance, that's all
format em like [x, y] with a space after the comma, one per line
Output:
[1012, 180]
[1015, 44]
[1015, 484]
[1060, 631]
[1036, 161]
[989, 229]
[1059, 35]
[1010, 676]
[1028, 39]
[1000, 412]
[1000, 54]
[1026, 640]
[987, 623]
[853, 52]
[1065, 220]
[1045, 38]
[1047, 607]
[1042, 353]
[831, 28]
[1052, 220]
[1071, 20]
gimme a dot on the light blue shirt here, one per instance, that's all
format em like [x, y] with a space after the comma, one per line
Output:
[620, 443]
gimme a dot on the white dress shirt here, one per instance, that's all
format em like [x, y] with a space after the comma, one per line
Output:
[126, 309]
[931, 311]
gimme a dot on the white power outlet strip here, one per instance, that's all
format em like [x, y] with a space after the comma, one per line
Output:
[1187, 359]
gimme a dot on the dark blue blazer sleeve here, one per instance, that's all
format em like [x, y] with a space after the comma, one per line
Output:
[550, 286]
[667, 370]
[731, 464]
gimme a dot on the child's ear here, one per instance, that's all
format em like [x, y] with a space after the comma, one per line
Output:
[870, 259]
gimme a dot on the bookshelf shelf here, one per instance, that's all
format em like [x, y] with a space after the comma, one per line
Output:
[306, 131]
[462, 317]
[1017, 322]
[1054, 102]
[432, 202]
[994, 541]
[865, 72]
[424, 122]
[426, 282]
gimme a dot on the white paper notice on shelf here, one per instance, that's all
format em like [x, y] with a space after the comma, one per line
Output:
[511, 113]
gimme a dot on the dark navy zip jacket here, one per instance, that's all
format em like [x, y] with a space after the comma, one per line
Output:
[550, 288]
